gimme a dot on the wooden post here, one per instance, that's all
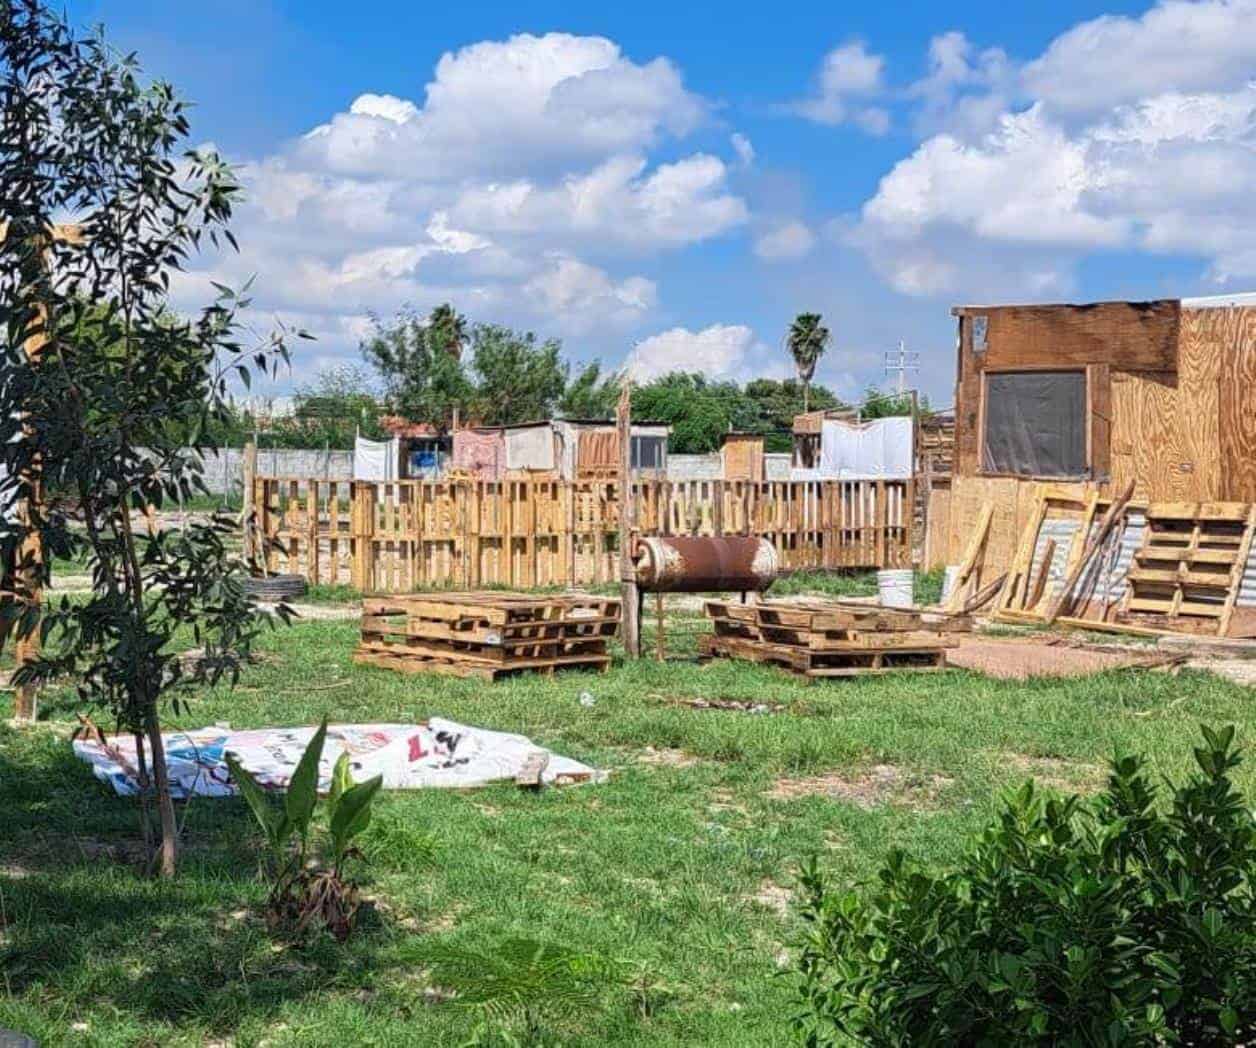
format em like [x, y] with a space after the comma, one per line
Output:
[248, 510]
[627, 568]
[31, 555]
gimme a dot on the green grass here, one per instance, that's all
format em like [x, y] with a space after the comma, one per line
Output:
[659, 868]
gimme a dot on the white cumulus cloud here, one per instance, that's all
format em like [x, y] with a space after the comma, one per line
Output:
[848, 77]
[788, 240]
[1126, 133]
[721, 351]
[524, 186]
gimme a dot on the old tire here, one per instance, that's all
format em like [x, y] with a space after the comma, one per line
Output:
[275, 588]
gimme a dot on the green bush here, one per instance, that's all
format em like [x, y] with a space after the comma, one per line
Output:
[1113, 921]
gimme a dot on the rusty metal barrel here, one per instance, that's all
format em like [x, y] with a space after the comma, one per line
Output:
[699, 564]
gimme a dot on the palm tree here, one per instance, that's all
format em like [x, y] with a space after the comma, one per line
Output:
[807, 340]
[448, 330]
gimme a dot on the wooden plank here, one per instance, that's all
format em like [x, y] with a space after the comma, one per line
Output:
[1237, 572]
[975, 545]
[1115, 513]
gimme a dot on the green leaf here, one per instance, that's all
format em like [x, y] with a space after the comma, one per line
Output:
[1229, 1019]
[341, 780]
[353, 813]
[267, 816]
[302, 793]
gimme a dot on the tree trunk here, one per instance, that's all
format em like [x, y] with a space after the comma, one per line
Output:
[806, 396]
[165, 804]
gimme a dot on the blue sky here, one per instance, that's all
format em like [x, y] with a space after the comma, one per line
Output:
[667, 185]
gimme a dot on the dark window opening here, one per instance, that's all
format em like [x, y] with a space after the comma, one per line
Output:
[649, 452]
[1035, 423]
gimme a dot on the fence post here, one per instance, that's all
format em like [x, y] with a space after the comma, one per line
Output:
[311, 512]
[880, 523]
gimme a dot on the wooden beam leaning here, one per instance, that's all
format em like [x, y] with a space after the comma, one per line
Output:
[627, 520]
[1092, 546]
[956, 599]
[26, 572]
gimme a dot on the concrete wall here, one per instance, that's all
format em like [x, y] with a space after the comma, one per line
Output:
[224, 468]
[711, 466]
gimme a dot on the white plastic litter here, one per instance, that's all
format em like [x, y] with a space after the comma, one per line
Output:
[587, 700]
[435, 753]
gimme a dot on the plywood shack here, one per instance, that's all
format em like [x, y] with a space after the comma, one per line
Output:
[741, 456]
[1091, 398]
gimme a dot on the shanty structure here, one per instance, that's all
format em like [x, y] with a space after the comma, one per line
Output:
[741, 456]
[564, 449]
[1109, 447]
[479, 452]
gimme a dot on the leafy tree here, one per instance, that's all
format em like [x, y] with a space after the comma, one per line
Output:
[332, 410]
[879, 404]
[423, 380]
[448, 330]
[80, 134]
[591, 394]
[807, 340]
[517, 378]
[775, 405]
[700, 412]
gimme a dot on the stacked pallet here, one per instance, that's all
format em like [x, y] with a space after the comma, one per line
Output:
[487, 635]
[1191, 563]
[831, 639]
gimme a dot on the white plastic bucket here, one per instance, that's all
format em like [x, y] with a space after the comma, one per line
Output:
[948, 581]
[896, 588]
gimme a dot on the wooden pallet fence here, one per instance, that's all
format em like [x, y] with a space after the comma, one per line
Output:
[405, 535]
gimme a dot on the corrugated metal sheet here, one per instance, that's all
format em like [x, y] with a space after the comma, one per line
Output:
[1062, 529]
[1247, 589]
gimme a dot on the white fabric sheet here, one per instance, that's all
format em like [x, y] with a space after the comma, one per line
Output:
[374, 460]
[877, 450]
[435, 753]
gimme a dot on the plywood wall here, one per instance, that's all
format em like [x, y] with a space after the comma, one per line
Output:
[1178, 416]
[742, 458]
[1233, 331]
[1130, 336]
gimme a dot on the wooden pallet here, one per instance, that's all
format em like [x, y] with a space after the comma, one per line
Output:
[831, 639]
[1190, 565]
[405, 662]
[847, 663]
[487, 634]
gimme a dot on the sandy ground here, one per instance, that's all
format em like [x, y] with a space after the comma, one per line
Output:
[1016, 659]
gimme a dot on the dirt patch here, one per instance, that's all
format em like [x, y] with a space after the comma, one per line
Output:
[1237, 671]
[1056, 772]
[882, 785]
[1020, 659]
[667, 758]
[771, 896]
[727, 705]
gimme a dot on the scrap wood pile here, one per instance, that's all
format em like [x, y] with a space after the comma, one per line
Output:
[487, 635]
[1128, 566]
[831, 638]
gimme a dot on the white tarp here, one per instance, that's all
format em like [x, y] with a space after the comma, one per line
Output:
[880, 449]
[530, 447]
[434, 753]
[374, 460]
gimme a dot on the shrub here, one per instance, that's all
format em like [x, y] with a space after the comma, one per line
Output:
[1115, 921]
[301, 888]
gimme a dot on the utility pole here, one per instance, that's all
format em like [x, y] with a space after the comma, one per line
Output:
[902, 361]
[629, 593]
